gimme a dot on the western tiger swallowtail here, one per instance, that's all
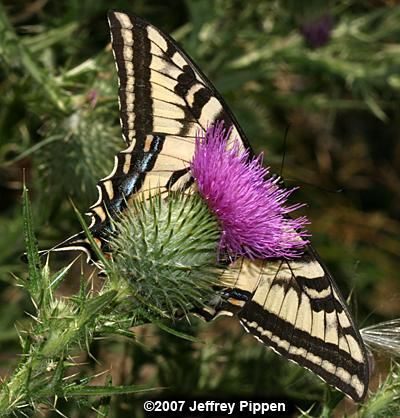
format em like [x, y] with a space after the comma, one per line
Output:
[292, 306]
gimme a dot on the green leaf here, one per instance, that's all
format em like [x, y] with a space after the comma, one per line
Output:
[172, 331]
[106, 390]
[34, 283]
[373, 105]
[96, 305]
[59, 276]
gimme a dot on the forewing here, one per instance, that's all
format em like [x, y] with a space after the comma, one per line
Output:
[164, 101]
[161, 90]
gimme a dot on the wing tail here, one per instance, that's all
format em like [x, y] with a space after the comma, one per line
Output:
[77, 242]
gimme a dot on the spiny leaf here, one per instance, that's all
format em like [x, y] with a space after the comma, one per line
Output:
[96, 305]
[35, 282]
[170, 330]
[106, 390]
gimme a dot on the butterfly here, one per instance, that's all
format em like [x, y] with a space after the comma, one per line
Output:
[292, 306]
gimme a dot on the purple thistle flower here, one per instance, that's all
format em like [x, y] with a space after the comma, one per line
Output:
[317, 31]
[249, 206]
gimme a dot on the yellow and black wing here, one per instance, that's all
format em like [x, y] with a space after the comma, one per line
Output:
[292, 306]
[295, 307]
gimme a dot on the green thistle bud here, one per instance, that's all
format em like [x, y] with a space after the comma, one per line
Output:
[166, 250]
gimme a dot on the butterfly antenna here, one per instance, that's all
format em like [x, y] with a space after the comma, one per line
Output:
[313, 185]
[284, 150]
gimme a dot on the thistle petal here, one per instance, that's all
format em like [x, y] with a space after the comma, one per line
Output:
[249, 204]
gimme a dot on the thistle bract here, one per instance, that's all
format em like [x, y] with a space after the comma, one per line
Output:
[166, 250]
[250, 206]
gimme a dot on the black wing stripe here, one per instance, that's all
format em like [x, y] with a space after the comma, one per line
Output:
[276, 281]
[330, 377]
[200, 99]
[253, 312]
[134, 49]
[306, 350]
[141, 64]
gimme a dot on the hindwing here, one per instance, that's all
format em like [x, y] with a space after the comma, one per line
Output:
[294, 307]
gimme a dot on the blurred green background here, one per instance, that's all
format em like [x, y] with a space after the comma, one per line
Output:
[328, 74]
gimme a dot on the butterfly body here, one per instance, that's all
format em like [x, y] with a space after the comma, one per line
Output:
[292, 306]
